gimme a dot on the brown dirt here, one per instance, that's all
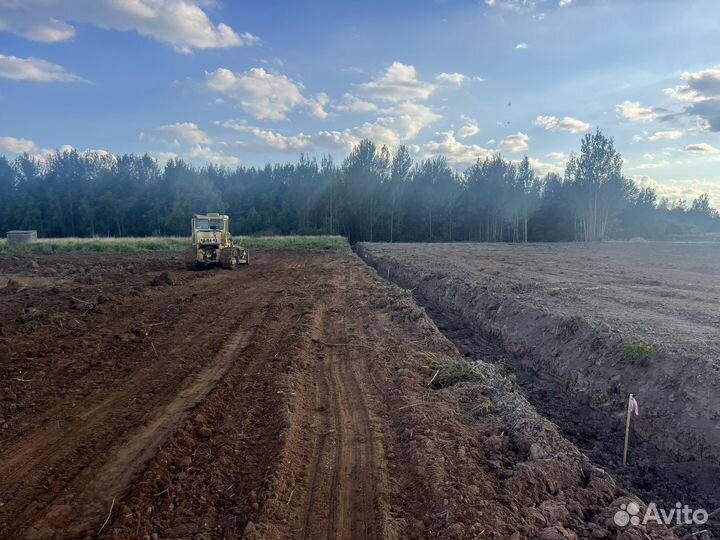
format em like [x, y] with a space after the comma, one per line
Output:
[300, 397]
[561, 318]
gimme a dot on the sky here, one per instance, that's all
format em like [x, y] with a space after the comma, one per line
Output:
[238, 82]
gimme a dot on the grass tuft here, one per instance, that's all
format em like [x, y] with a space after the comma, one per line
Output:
[450, 372]
[639, 349]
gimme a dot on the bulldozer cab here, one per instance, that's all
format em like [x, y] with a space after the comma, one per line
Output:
[203, 223]
[211, 229]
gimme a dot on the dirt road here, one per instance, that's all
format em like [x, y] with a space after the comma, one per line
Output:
[301, 397]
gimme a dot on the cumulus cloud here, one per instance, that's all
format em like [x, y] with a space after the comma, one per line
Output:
[399, 83]
[650, 166]
[266, 95]
[469, 129]
[681, 188]
[701, 93]
[633, 111]
[187, 132]
[351, 103]
[213, 155]
[163, 157]
[703, 85]
[557, 156]
[544, 167]
[702, 148]
[455, 79]
[564, 3]
[34, 69]
[520, 46]
[515, 143]
[181, 23]
[457, 153]
[552, 123]
[17, 146]
[394, 125]
[670, 134]
[277, 141]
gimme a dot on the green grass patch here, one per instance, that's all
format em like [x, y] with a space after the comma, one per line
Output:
[332, 243]
[171, 243]
[639, 349]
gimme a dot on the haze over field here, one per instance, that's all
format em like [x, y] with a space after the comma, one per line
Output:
[231, 83]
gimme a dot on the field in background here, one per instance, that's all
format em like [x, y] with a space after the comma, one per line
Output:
[174, 243]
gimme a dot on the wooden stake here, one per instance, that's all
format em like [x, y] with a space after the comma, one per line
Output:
[627, 428]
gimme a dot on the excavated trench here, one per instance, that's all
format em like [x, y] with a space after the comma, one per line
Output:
[653, 473]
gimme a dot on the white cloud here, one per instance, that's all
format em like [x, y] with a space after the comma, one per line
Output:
[317, 105]
[701, 92]
[399, 83]
[34, 69]
[681, 188]
[557, 156]
[394, 125]
[211, 155]
[181, 23]
[564, 3]
[17, 146]
[650, 166]
[469, 129]
[353, 103]
[543, 167]
[522, 46]
[187, 132]
[407, 119]
[457, 153]
[633, 111]
[451, 78]
[513, 5]
[702, 148]
[699, 86]
[671, 134]
[163, 157]
[266, 95]
[573, 125]
[281, 142]
[515, 143]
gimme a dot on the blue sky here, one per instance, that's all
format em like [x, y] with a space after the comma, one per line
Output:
[250, 82]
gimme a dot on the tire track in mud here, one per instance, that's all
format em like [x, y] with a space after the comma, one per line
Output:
[342, 491]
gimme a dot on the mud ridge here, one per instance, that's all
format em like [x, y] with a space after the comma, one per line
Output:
[576, 374]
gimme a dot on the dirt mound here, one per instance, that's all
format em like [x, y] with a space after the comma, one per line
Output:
[163, 279]
[12, 285]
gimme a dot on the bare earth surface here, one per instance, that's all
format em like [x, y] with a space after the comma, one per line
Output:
[571, 321]
[300, 397]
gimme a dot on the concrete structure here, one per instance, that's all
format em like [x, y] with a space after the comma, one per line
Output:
[21, 237]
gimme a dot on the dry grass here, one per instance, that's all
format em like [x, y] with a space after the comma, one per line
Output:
[173, 243]
[450, 371]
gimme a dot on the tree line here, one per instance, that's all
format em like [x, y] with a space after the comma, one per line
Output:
[373, 195]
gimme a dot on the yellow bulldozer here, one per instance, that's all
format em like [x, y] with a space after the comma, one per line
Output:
[212, 243]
